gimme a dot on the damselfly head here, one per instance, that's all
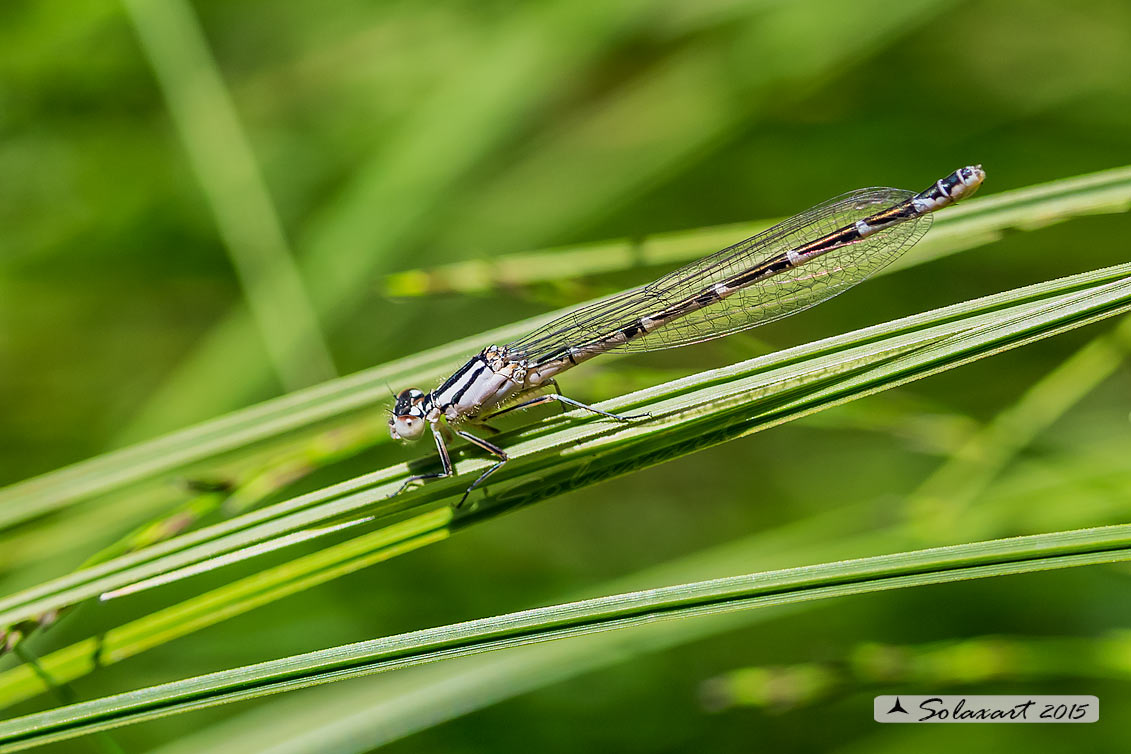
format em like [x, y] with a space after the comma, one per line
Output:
[407, 421]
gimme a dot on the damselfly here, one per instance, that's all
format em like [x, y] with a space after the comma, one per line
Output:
[796, 264]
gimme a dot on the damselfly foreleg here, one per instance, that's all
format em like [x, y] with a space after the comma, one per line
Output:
[445, 461]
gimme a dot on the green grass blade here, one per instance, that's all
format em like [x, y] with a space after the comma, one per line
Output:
[837, 579]
[220, 604]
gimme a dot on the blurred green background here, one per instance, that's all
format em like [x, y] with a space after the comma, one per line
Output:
[161, 161]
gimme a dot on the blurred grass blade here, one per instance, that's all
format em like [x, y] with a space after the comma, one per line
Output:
[247, 430]
[947, 494]
[218, 149]
[837, 579]
[386, 204]
[938, 665]
[575, 175]
[973, 223]
[567, 452]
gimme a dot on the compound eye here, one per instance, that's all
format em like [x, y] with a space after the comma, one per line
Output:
[406, 399]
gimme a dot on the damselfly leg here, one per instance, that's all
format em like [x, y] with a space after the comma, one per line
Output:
[445, 457]
[555, 397]
[559, 398]
[491, 448]
[445, 461]
[449, 470]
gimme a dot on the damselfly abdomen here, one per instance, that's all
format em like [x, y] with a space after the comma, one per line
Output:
[796, 264]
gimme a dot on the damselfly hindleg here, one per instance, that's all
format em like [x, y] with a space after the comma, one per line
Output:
[559, 398]
[491, 448]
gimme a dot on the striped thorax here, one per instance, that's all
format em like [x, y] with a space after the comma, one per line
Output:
[488, 379]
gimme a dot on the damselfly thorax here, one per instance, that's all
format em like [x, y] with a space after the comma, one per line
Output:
[796, 264]
[490, 378]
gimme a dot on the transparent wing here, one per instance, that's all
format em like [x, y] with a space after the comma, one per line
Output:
[769, 299]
